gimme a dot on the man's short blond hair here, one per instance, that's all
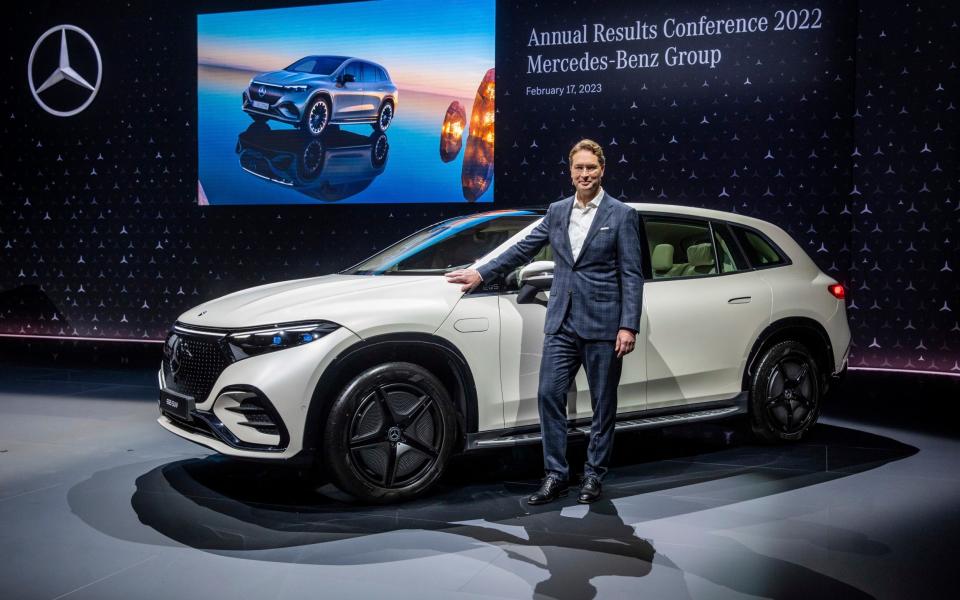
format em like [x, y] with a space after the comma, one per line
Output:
[590, 146]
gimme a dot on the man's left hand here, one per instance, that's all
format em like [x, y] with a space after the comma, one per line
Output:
[626, 340]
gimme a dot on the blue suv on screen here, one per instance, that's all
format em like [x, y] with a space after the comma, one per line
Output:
[318, 91]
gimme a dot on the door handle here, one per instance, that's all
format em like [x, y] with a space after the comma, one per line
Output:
[740, 300]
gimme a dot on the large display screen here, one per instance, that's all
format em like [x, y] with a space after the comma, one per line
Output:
[388, 101]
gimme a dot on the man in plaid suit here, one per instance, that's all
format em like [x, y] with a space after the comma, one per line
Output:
[593, 314]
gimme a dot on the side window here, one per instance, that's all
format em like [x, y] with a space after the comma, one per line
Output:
[356, 70]
[729, 262]
[679, 247]
[759, 252]
[369, 72]
[382, 75]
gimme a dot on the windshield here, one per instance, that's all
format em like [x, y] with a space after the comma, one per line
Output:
[318, 65]
[446, 246]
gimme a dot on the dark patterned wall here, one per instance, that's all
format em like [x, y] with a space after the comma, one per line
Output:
[100, 234]
[904, 202]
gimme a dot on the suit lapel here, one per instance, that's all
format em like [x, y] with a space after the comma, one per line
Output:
[603, 213]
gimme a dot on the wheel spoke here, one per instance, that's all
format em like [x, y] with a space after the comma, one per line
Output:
[368, 441]
[804, 369]
[421, 447]
[389, 417]
[390, 472]
[423, 403]
[773, 401]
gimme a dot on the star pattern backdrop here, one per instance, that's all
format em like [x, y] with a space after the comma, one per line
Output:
[846, 137]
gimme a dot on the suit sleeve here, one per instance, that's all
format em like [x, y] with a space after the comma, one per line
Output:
[520, 253]
[631, 273]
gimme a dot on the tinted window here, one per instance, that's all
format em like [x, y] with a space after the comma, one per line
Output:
[355, 69]
[726, 247]
[758, 250]
[679, 247]
[303, 66]
[382, 75]
[318, 65]
[444, 247]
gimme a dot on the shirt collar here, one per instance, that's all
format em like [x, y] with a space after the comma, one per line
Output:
[595, 202]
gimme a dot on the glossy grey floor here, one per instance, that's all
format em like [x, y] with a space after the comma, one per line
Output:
[97, 501]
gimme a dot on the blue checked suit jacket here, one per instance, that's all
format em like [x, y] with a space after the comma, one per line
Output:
[601, 291]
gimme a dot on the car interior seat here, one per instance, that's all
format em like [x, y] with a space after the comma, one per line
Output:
[700, 257]
[662, 260]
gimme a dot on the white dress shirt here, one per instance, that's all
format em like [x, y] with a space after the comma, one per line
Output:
[580, 221]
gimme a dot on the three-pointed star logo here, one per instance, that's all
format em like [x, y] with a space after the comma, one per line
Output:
[63, 71]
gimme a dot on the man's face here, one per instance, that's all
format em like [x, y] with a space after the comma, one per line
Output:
[586, 172]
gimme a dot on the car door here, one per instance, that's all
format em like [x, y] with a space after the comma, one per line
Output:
[371, 94]
[701, 320]
[521, 348]
[348, 99]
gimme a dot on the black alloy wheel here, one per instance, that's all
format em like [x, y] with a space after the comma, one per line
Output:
[785, 393]
[389, 433]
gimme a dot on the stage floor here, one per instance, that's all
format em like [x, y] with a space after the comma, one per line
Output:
[97, 501]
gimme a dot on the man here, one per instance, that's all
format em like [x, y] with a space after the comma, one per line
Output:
[593, 314]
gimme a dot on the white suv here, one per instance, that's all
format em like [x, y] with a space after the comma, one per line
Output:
[383, 371]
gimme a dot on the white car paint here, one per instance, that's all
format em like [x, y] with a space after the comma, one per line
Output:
[695, 339]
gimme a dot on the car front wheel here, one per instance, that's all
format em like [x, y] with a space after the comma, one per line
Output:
[318, 116]
[785, 393]
[389, 433]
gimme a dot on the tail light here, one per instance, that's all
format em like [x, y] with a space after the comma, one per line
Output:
[838, 291]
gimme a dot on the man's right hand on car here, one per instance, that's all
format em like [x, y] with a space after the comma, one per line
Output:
[469, 277]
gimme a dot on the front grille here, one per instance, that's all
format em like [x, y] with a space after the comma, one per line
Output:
[192, 364]
[271, 96]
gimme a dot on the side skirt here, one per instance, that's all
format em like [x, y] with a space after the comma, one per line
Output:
[648, 419]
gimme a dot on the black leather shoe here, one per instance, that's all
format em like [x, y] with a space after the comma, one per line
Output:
[551, 489]
[590, 490]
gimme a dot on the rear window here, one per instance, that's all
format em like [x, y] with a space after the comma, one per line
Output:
[759, 251]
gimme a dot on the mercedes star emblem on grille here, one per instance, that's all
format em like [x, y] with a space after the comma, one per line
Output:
[180, 352]
[63, 70]
[262, 91]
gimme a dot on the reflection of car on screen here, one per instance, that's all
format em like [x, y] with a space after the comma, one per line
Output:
[384, 370]
[317, 91]
[332, 167]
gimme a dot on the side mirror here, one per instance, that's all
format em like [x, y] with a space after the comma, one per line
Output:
[534, 278]
[346, 78]
[539, 274]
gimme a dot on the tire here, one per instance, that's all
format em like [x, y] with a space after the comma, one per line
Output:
[378, 150]
[317, 116]
[785, 393]
[384, 117]
[389, 434]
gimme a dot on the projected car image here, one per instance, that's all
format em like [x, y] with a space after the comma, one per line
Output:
[318, 91]
[380, 373]
[335, 166]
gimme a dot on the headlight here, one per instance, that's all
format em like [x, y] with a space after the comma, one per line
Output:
[244, 344]
[295, 88]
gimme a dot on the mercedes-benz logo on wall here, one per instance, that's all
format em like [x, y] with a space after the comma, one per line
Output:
[62, 72]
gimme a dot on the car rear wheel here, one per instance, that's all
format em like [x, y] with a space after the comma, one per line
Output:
[318, 116]
[384, 117]
[389, 433]
[785, 393]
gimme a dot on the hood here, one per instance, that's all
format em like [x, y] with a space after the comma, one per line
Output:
[288, 77]
[365, 304]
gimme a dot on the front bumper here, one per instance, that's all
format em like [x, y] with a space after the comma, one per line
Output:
[281, 382]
